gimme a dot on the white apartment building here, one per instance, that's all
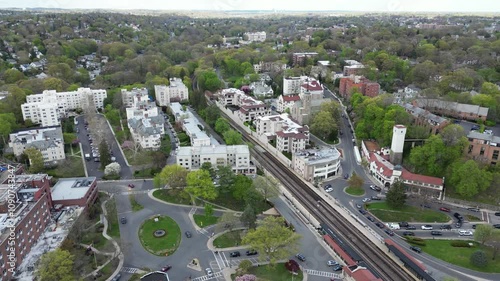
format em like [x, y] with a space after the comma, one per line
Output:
[175, 92]
[318, 164]
[146, 122]
[128, 96]
[48, 140]
[286, 102]
[190, 125]
[236, 156]
[249, 108]
[50, 106]
[289, 136]
[291, 85]
[256, 36]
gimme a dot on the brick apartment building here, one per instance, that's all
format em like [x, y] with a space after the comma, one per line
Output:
[422, 117]
[75, 192]
[483, 147]
[364, 86]
[453, 109]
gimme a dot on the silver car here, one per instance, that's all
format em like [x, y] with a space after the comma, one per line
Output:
[209, 272]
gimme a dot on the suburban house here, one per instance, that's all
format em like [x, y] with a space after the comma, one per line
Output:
[288, 135]
[48, 140]
[175, 92]
[316, 164]
[453, 109]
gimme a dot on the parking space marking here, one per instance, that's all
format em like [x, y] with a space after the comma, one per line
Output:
[206, 277]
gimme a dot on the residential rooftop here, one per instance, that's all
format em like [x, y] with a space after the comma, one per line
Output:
[71, 188]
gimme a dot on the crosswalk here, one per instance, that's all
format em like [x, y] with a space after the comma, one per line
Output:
[323, 273]
[134, 192]
[206, 277]
[129, 270]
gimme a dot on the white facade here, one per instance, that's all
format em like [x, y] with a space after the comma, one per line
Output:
[316, 164]
[190, 124]
[176, 91]
[146, 122]
[398, 138]
[128, 96]
[286, 102]
[49, 141]
[291, 85]
[249, 108]
[236, 156]
[256, 36]
[50, 106]
[289, 136]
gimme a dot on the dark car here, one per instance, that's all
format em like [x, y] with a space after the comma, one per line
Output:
[458, 216]
[131, 185]
[337, 267]
[376, 198]
[474, 226]
[416, 249]
[188, 234]
[346, 176]
[403, 224]
[496, 225]
[389, 232]
[411, 227]
[473, 209]
[251, 253]
[123, 220]
[445, 226]
[425, 206]
[436, 233]
[444, 209]
[370, 219]
[234, 254]
[363, 211]
[497, 214]
[166, 268]
[408, 233]
[380, 225]
[475, 127]
[300, 257]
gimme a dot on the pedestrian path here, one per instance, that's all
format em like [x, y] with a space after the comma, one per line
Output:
[215, 276]
[323, 273]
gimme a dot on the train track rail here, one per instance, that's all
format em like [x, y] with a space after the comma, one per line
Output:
[379, 263]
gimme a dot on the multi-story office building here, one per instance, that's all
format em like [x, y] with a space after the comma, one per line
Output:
[50, 106]
[317, 164]
[49, 141]
[236, 156]
[175, 92]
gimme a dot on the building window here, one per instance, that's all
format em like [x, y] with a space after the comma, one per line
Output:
[495, 155]
[482, 151]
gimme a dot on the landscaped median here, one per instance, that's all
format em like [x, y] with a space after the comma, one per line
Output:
[229, 239]
[356, 191]
[160, 235]
[407, 213]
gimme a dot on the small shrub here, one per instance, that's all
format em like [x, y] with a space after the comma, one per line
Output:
[246, 277]
[460, 244]
[292, 266]
[415, 240]
[479, 259]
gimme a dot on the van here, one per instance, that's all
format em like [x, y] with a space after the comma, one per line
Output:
[465, 233]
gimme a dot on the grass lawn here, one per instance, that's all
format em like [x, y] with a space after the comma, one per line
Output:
[135, 206]
[227, 200]
[276, 273]
[472, 218]
[113, 224]
[71, 167]
[407, 213]
[176, 196]
[204, 221]
[442, 249]
[141, 158]
[161, 246]
[229, 239]
[108, 269]
[356, 191]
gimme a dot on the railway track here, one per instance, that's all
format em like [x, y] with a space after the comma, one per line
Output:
[379, 263]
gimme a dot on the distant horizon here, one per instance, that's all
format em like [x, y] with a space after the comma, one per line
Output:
[283, 6]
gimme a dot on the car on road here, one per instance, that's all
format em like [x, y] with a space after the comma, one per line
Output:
[425, 205]
[337, 267]
[117, 277]
[366, 200]
[123, 220]
[475, 127]
[300, 257]
[411, 227]
[426, 227]
[188, 234]
[496, 225]
[403, 224]
[209, 272]
[436, 233]
[445, 226]
[131, 185]
[389, 232]
[445, 209]
[465, 233]
[416, 249]
[374, 187]
[376, 198]
[251, 253]
[166, 268]
[234, 254]
[331, 263]
[458, 216]
[363, 212]
[458, 224]
[473, 209]
[408, 233]
[474, 226]
[379, 224]
[329, 189]
[497, 214]
[359, 206]
[370, 218]
[328, 186]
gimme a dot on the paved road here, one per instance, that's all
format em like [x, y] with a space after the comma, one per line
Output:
[93, 168]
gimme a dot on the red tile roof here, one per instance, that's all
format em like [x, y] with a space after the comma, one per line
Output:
[361, 274]
[409, 176]
[312, 86]
[291, 98]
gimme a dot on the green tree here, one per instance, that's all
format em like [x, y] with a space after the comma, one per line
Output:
[242, 185]
[207, 166]
[267, 186]
[226, 178]
[323, 124]
[173, 176]
[56, 265]
[490, 89]
[221, 125]
[209, 210]
[7, 125]
[199, 184]
[227, 221]
[468, 179]
[69, 138]
[273, 240]
[211, 114]
[483, 233]
[36, 160]
[249, 217]
[12, 75]
[479, 259]
[104, 157]
[396, 196]
[232, 137]
[453, 135]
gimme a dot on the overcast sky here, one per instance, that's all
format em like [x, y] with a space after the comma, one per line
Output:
[280, 5]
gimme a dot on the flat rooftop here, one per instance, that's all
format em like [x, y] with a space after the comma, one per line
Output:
[71, 188]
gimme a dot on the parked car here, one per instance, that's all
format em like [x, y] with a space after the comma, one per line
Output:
[408, 233]
[474, 226]
[251, 253]
[329, 189]
[436, 233]
[411, 227]
[123, 220]
[337, 267]
[359, 206]
[426, 227]
[131, 185]
[416, 249]
[328, 186]
[166, 268]
[496, 225]
[209, 272]
[234, 254]
[475, 127]
[370, 218]
[346, 176]
[425, 205]
[331, 263]
[300, 257]
[389, 232]
[445, 226]
[473, 209]
[117, 277]
[465, 233]
[403, 224]
[458, 224]
[363, 212]
[376, 198]
[444, 209]
[458, 216]
[380, 225]
[497, 214]
[366, 200]
[372, 187]
[188, 234]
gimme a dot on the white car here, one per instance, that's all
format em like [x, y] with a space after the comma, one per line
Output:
[465, 233]
[331, 263]
[367, 200]
[209, 272]
[329, 189]
[427, 227]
